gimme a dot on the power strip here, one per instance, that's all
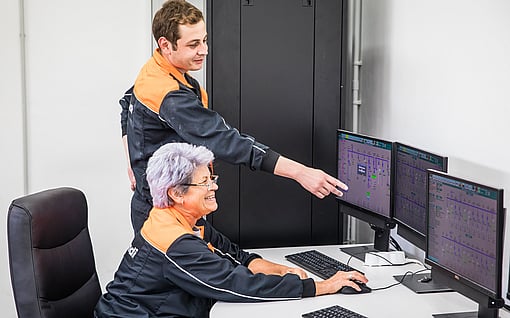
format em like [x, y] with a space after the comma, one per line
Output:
[385, 258]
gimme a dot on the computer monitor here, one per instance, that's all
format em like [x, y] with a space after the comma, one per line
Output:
[409, 206]
[410, 190]
[465, 239]
[364, 163]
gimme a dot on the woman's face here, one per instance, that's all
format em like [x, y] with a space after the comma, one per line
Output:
[201, 200]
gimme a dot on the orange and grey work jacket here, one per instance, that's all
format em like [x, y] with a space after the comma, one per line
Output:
[166, 106]
[175, 270]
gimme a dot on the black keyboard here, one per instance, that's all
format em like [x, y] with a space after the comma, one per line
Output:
[333, 312]
[318, 263]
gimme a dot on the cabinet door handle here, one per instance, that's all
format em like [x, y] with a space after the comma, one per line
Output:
[307, 3]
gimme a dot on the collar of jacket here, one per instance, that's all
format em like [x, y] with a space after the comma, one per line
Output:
[164, 226]
[168, 67]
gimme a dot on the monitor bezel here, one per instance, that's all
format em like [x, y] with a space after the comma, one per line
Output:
[455, 280]
[369, 216]
[405, 230]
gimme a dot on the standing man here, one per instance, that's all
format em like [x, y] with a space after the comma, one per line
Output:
[167, 105]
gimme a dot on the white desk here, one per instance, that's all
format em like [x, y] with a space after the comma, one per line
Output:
[397, 301]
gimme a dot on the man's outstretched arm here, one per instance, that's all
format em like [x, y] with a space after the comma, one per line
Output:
[314, 180]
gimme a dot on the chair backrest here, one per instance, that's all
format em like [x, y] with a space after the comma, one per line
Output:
[53, 271]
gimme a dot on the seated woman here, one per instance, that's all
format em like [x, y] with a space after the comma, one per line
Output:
[178, 265]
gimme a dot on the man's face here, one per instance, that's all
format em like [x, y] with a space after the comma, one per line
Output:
[191, 48]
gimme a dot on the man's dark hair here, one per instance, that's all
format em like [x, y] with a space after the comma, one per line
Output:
[172, 14]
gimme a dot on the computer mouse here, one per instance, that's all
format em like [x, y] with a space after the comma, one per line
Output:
[351, 290]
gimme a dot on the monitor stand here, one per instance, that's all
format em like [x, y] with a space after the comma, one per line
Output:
[381, 244]
[422, 283]
[471, 314]
[359, 251]
[483, 312]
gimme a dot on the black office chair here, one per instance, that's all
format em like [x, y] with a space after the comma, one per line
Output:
[53, 272]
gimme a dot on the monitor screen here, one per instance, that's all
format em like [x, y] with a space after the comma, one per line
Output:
[364, 164]
[410, 190]
[465, 234]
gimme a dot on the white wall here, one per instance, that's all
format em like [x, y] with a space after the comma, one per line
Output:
[436, 74]
[11, 135]
[80, 58]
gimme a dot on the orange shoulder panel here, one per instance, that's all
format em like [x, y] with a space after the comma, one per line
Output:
[163, 227]
[153, 84]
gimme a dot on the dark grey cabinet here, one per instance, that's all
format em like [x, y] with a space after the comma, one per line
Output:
[275, 72]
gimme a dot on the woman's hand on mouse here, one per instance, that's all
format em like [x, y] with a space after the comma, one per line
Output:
[339, 280]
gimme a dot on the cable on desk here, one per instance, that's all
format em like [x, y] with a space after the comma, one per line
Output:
[350, 257]
[392, 264]
[401, 279]
[395, 244]
[395, 284]
[414, 261]
[353, 255]
[421, 270]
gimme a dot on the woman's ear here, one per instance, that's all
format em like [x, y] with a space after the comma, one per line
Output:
[176, 196]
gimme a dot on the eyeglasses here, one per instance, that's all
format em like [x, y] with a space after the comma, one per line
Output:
[214, 180]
